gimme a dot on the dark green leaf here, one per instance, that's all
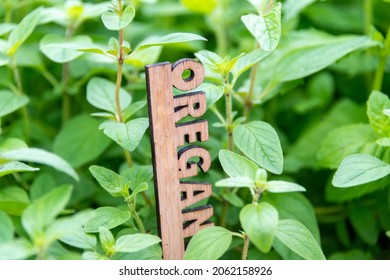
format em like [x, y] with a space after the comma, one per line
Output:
[10, 102]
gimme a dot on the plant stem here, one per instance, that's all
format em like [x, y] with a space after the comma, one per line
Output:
[367, 16]
[229, 118]
[246, 247]
[138, 221]
[380, 70]
[220, 31]
[66, 102]
[128, 158]
[117, 90]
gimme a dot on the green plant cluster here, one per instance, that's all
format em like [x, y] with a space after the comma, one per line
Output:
[298, 112]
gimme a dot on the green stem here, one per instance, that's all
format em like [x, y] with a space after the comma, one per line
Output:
[225, 206]
[220, 32]
[246, 247]
[49, 77]
[128, 158]
[229, 119]
[8, 11]
[139, 222]
[367, 16]
[380, 70]
[66, 101]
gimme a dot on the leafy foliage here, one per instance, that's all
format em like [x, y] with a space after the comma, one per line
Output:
[298, 108]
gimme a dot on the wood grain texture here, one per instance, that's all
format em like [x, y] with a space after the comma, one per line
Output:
[166, 181]
[176, 219]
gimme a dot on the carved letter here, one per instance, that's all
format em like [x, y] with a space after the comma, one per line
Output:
[191, 132]
[189, 168]
[194, 192]
[196, 219]
[193, 104]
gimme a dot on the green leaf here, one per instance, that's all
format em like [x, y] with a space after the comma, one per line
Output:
[80, 239]
[101, 94]
[283, 187]
[127, 135]
[209, 243]
[13, 200]
[113, 183]
[22, 31]
[210, 60]
[376, 104]
[4, 59]
[49, 45]
[12, 144]
[265, 28]
[200, 6]
[247, 61]
[116, 21]
[141, 57]
[364, 221]
[386, 112]
[10, 102]
[6, 27]
[260, 223]
[172, 38]
[7, 228]
[294, 206]
[299, 239]
[358, 169]
[140, 188]
[233, 199]
[108, 217]
[135, 242]
[43, 211]
[138, 174]
[107, 240]
[259, 142]
[16, 250]
[235, 165]
[292, 8]
[133, 108]
[80, 141]
[260, 5]
[40, 156]
[213, 93]
[344, 141]
[15, 166]
[384, 141]
[306, 60]
[236, 182]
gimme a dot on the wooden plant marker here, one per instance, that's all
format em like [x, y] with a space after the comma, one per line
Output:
[176, 221]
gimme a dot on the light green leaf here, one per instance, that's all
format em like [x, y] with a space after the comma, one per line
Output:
[237, 166]
[200, 6]
[108, 217]
[306, 60]
[22, 31]
[265, 28]
[233, 199]
[210, 60]
[43, 211]
[93, 256]
[209, 243]
[141, 57]
[283, 186]
[384, 141]
[101, 94]
[260, 5]
[140, 188]
[16, 250]
[115, 21]
[133, 108]
[58, 54]
[359, 169]
[172, 38]
[260, 223]
[10, 102]
[80, 141]
[234, 182]
[386, 112]
[15, 166]
[259, 142]
[292, 8]
[213, 93]
[7, 228]
[13, 200]
[299, 239]
[107, 240]
[138, 174]
[376, 104]
[113, 183]
[40, 156]
[127, 135]
[247, 61]
[4, 59]
[135, 242]
[6, 27]
[344, 141]
[80, 239]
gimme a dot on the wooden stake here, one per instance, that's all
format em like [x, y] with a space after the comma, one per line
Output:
[176, 220]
